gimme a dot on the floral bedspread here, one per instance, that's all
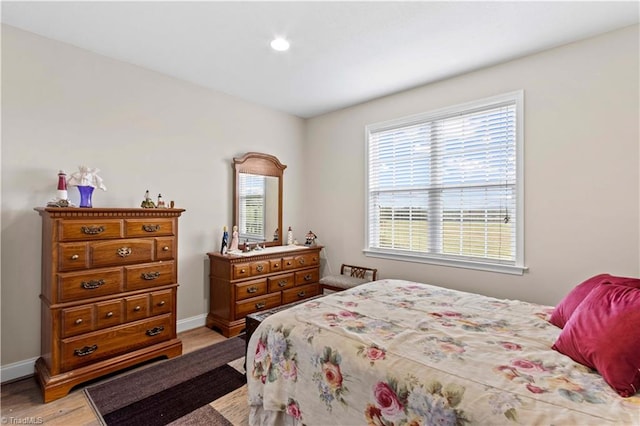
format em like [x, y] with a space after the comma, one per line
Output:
[394, 352]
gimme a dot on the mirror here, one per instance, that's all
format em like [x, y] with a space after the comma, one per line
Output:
[257, 207]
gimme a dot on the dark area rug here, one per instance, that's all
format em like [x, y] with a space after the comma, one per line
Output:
[170, 390]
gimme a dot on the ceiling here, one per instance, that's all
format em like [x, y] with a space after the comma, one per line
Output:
[342, 53]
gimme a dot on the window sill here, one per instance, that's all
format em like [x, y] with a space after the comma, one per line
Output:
[455, 263]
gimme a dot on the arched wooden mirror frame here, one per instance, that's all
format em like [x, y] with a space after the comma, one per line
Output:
[257, 163]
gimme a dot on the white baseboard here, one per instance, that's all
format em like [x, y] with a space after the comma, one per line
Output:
[18, 370]
[191, 323]
[25, 368]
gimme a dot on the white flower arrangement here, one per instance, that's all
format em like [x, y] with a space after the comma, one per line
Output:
[86, 176]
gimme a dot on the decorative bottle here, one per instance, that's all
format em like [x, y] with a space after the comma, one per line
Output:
[289, 237]
[62, 185]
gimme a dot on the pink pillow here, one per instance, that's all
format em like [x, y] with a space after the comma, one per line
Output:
[603, 334]
[565, 308]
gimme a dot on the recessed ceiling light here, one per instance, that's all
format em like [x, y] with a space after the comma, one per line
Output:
[279, 44]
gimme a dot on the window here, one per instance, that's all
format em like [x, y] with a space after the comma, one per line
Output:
[446, 187]
[252, 206]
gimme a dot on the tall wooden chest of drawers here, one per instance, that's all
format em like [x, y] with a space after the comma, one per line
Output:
[241, 285]
[109, 290]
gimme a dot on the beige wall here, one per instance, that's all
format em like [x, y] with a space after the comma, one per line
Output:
[582, 190]
[63, 106]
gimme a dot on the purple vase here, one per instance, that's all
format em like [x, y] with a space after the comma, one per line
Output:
[85, 195]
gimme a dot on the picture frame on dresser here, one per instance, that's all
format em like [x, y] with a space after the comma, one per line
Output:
[108, 292]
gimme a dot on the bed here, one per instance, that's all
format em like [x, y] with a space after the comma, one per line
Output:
[405, 353]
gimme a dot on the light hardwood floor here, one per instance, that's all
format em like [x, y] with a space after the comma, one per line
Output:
[21, 400]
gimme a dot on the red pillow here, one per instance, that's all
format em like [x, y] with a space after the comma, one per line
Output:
[603, 333]
[565, 308]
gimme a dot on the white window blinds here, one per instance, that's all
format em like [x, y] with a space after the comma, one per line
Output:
[252, 206]
[445, 185]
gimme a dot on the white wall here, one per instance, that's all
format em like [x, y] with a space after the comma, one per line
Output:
[63, 106]
[582, 189]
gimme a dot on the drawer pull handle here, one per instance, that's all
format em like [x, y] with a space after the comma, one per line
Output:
[149, 276]
[252, 289]
[137, 308]
[289, 263]
[155, 331]
[124, 251]
[93, 284]
[87, 350]
[165, 248]
[282, 283]
[75, 257]
[260, 268]
[161, 303]
[276, 265]
[260, 305]
[242, 271]
[301, 261]
[150, 228]
[301, 294]
[308, 277]
[92, 230]
[79, 321]
[109, 314]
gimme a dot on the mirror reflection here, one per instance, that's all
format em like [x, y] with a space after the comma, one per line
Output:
[258, 199]
[258, 208]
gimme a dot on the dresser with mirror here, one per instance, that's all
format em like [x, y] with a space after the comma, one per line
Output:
[264, 273]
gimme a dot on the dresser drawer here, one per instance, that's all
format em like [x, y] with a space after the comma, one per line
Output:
[77, 320]
[249, 289]
[98, 345]
[305, 260]
[149, 227]
[73, 256]
[109, 313]
[259, 268]
[300, 293]
[149, 275]
[165, 248]
[136, 307]
[288, 263]
[275, 265]
[280, 282]
[161, 302]
[120, 252]
[87, 230]
[307, 276]
[241, 270]
[256, 304]
[82, 285]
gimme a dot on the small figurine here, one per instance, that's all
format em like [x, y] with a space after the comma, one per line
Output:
[225, 241]
[234, 239]
[160, 204]
[275, 235]
[147, 203]
[310, 239]
[289, 237]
